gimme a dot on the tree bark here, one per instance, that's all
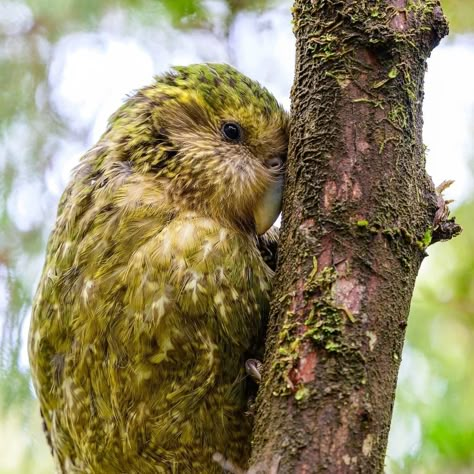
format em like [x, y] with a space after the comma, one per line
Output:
[359, 212]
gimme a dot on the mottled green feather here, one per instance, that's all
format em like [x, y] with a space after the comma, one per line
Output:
[154, 291]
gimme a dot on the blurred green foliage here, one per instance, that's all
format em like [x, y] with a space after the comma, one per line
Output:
[441, 328]
[439, 390]
[460, 14]
[444, 304]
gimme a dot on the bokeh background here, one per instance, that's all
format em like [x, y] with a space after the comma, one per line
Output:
[66, 65]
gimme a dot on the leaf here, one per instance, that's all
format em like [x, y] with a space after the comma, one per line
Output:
[393, 73]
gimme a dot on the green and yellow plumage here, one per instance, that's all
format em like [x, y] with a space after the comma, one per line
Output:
[154, 290]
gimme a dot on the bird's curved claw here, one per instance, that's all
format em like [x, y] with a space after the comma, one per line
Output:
[253, 368]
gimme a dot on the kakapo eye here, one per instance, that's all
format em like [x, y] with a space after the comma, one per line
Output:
[232, 131]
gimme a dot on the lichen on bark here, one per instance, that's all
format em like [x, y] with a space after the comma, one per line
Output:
[359, 212]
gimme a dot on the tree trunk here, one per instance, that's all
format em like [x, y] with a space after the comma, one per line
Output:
[359, 212]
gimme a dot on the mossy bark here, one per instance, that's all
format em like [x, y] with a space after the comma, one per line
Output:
[359, 212]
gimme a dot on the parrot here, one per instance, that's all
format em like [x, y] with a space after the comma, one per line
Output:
[157, 278]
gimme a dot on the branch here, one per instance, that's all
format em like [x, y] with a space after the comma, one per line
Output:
[444, 227]
[359, 212]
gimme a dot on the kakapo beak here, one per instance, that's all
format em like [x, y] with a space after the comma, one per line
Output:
[269, 207]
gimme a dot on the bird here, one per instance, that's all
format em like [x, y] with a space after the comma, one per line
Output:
[156, 283]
